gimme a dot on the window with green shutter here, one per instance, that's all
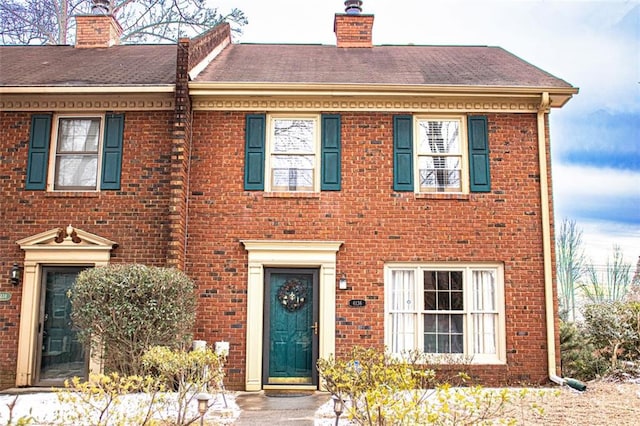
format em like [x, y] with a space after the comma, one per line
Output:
[403, 153]
[429, 154]
[39, 140]
[479, 174]
[254, 152]
[330, 153]
[81, 146]
[292, 152]
[112, 151]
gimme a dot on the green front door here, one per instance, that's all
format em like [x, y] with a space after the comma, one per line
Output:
[291, 327]
[61, 356]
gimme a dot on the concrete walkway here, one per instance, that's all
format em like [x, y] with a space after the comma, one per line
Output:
[260, 409]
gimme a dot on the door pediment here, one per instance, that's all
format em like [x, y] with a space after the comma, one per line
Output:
[65, 238]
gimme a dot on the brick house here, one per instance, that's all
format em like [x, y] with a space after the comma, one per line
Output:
[320, 197]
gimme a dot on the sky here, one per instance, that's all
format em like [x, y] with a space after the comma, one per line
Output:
[593, 45]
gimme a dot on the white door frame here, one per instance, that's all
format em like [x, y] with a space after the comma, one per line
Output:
[295, 254]
[56, 247]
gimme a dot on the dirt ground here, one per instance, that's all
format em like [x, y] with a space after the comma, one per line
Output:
[603, 403]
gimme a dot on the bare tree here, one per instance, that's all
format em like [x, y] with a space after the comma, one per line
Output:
[634, 289]
[612, 284]
[142, 21]
[570, 264]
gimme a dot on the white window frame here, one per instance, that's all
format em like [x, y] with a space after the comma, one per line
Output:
[418, 310]
[464, 154]
[271, 119]
[51, 172]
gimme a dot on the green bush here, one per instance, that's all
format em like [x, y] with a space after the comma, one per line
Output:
[579, 356]
[606, 343]
[130, 308]
[613, 329]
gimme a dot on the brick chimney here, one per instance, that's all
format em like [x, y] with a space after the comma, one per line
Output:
[352, 28]
[100, 29]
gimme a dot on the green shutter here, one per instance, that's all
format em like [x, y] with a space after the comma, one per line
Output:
[330, 156]
[40, 139]
[479, 175]
[403, 153]
[112, 151]
[254, 152]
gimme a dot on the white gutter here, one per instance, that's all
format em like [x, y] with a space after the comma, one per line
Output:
[557, 96]
[546, 242]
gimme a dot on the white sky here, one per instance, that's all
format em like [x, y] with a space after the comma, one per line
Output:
[594, 45]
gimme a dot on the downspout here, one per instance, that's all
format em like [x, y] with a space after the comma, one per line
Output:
[546, 242]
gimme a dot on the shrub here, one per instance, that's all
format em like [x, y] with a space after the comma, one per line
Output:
[579, 359]
[110, 400]
[383, 389]
[613, 328]
[188, 373]
[131, 308]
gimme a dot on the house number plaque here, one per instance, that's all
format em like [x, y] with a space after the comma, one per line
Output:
[357, 303]
[4, 297]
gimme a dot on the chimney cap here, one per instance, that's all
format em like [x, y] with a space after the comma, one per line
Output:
[100, 7]
[353, 7]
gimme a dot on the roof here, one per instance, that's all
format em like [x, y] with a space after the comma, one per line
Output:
[378, 65]
[67, 66]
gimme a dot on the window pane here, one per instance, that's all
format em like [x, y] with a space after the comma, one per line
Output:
[402, 332]
[484, 291]
[403, 325]
[443, 344]
[457, 344]
[440, 173]
[484, 339]
[456, 280]
[293, 136]
[430, 301]
[443, 301]
[430, 323]
[443, 334]
[443, 280]
[76, 171]
[457, 324]
[443, 325]
[436, 137]
[430, 344]
[430, 280]
[457, 301]
[78, 135]
[292, 172]
[402, 291]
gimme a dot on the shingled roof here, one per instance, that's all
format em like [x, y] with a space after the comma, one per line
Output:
[378, 65]
[66, 66]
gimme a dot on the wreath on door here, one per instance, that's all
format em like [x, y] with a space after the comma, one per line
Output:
[292, 295]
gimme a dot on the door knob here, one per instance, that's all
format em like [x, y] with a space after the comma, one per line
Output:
[315, 328]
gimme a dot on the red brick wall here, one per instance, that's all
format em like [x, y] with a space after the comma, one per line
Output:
[377, 226]
[136, 217]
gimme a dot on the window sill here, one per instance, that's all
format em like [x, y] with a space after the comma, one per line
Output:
[291, 195]
[72, 194]
[441, 196]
